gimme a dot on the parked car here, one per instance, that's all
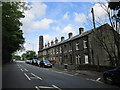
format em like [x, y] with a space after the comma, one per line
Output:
[28, 61]
[38, 62]
[45, 63]
[112, 76]
[34, 61]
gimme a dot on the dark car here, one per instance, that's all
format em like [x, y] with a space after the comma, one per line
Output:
[45, 63]
[112, 76]
[34, 61]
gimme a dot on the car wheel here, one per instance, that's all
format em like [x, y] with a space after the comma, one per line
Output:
[109, 80]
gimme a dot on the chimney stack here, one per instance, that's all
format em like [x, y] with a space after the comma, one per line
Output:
[45, 45]
[40, 42]
[62, 38]
[56, 40]
[81, 30]
[70, 35]
[52, 42]
[48, 44]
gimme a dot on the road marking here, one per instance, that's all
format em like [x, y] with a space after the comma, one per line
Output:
[93, 80]
[25, 69]
[18, 66]
[68, 74]
[37, 88]
[45, 87]
[27, 76]
[36, 76]
[98, 79]
[76, 74]
[56, 87]
[21, 69]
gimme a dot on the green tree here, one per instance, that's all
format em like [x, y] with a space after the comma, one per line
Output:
[29, 55]
[24, 56]
[12, 35]
[16, 57]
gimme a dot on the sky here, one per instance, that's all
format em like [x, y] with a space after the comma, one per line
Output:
[57, 19]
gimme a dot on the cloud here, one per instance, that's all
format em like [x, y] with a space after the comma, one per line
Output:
[43, 24]
[67, 29]
[79, 17]
[100, 13]
[66, 15]
[38, 10]
[48, 38]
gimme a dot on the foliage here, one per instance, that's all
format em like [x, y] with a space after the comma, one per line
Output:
[29, 55]
[12, 35]
[16, 57]
[114, 5]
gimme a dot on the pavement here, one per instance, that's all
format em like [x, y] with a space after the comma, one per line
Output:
[93, 75]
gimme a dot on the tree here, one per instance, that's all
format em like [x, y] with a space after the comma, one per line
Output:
[111, 43]
[29, 55]
[12, 35]
[16, 57]
[115, 18]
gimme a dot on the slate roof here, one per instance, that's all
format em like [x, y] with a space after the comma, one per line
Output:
[73, 38]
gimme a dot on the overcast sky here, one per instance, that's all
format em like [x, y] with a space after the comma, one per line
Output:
[56, 19]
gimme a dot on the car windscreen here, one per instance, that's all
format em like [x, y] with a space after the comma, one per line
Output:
[47, 62]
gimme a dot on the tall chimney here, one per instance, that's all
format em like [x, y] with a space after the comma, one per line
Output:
[40, 42]
[70, 35]
[81, 30]
[62, 38]
[56, 40]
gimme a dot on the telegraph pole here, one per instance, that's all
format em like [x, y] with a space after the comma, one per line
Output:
[92, 11]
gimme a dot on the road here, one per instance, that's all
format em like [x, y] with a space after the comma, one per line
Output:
[22, 75]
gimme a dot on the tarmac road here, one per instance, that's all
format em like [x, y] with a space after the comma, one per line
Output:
[22, 75]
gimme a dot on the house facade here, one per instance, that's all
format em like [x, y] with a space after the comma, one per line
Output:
[84, 48]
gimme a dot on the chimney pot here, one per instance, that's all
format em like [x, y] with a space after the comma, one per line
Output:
[48, 44]
[81, 30]
[62, 38]
[70, 34]
[56, 40]
[52, 42]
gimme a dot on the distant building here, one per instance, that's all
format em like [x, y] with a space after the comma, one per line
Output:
[81, 49]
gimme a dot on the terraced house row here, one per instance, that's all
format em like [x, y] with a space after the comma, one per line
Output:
[84, 48]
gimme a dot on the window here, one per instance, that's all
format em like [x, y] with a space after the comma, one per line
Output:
[70, 47]
[85, 43]
[77, 46]
[86, 59]
[78, 59]
[60, 49]
[53, 51]
[56, 50]
[65, 46]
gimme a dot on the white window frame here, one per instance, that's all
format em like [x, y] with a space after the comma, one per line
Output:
[85, 43]
[77, 46]
[86, 59]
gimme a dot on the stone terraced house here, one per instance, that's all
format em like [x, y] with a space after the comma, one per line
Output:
[82, 49]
